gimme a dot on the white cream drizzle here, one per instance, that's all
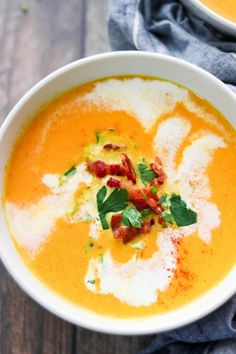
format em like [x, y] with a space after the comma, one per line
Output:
[147, 100]
[136, 282]
[31, 225]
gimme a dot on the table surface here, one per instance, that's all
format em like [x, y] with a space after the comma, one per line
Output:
[32, 44]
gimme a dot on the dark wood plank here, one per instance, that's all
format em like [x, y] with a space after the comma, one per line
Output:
[97, 343]
[26, 328]
[49, 35]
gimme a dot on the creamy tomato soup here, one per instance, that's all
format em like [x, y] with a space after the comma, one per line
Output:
[225, 8]
[120, 196]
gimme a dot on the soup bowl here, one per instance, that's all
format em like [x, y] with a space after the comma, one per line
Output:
[75, 74]
[216, 20]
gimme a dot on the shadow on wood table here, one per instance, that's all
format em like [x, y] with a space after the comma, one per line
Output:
[49, 34]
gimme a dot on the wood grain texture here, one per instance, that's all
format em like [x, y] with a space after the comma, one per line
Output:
[51, 34]
[88, 342]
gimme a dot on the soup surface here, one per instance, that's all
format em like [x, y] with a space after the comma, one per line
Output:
[120, 196]
[225, 8]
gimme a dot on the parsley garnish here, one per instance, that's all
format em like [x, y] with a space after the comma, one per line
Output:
[163, 198]
[100, 257]
[116, 201]
[145, 212]
[167, 217]
[132, 217]
[181, 214]
[70, 172]
[97, 137]
[144, 194]
[92, 281]
[146, 173]
[154, 190]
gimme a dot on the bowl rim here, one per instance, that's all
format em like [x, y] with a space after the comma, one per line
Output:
[149, 324]
[213, 15]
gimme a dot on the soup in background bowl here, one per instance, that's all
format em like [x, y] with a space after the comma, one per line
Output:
[114, 200]
[220, 14]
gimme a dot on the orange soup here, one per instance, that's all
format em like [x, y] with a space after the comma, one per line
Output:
[225, 8]
[120, 196]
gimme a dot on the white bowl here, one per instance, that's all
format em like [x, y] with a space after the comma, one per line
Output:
[205, 13]
[77, 73]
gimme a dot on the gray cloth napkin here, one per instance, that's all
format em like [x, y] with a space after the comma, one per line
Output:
[166, 27]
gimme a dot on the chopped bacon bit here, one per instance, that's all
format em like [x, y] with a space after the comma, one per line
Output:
[116, 170]
[130, 172]
[111, 147]
[127, 234]
[115, 221]
[146, 227]
[101, 169]
[113, 183]
[136, 196]
[98, 168]
[157, 167]
[152, 222]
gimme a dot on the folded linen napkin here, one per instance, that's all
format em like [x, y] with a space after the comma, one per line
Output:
[166, 27]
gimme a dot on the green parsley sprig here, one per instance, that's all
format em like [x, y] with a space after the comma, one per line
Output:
[146, 173]
[132, 217]
[177, 211]
[116, 201]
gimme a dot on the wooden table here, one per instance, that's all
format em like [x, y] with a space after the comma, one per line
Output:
[32, 44]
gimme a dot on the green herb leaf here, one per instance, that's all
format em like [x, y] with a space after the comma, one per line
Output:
[75, 208]
[98, 135]
[132, 216]
[146, 174]
[167, 217]
[101, 194]
[163, 198]
[143, 194]
[116, 201]
[100, 257]
[181, 214]
[126, 221]
[70, 172]
[104, 222]
[24, 8]
[138, 249]
[145, 212]
[154, 190]
[92, 281]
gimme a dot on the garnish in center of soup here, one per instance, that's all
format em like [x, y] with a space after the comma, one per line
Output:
[120, 196]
